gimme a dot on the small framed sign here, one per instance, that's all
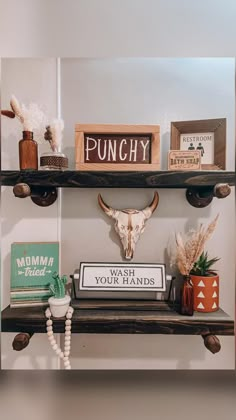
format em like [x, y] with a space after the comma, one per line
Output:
[207, 136]
[122, 277]
[117, 147]
[184, 160]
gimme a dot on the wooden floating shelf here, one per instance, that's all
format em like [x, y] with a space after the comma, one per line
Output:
[90, 319]
[98, 179]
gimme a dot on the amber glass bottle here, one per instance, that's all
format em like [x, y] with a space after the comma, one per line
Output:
[186, 307]
[28, 151]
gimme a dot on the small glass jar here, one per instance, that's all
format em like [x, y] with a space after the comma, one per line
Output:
[53, 161]
[28, 152]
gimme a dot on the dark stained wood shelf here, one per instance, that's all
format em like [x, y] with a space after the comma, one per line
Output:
[90, 319]
[97, 179]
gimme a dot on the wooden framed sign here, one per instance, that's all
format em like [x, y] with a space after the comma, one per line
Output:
[32, 266]
[207, 136]
[187, 160]
[122, 277]
[117, 147]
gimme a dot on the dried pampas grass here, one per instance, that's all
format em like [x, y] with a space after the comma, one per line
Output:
[189, 250]
[53, 134]
[32, 117]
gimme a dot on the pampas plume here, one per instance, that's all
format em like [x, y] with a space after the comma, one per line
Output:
[16, 108]
[188, 251]
[54, 134]
[31, 117]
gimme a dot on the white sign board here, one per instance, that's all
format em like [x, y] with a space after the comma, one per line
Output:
[122, 277]
[199, 141]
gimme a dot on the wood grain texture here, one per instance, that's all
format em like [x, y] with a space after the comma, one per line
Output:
[79, 147]
[119, 322]
[155, 152]
[158, 179]
[117, 128]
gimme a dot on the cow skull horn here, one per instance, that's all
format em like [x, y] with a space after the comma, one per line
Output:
[108, 210]
[152, 207]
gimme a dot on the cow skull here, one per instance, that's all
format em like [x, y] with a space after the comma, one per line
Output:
[129, 223]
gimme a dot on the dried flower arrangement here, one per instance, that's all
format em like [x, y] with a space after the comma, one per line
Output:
[53, 134]
[32, 117]
[189, 250]
[55, 160]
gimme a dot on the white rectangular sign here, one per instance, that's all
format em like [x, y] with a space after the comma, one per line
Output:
[122, 277]
[204, 142]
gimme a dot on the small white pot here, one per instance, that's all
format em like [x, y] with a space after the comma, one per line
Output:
[59, 306]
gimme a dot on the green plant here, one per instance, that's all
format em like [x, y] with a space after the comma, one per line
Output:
[58, 288]
[202, 266]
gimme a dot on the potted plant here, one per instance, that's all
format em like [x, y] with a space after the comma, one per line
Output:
[59, 302]
[205, 284]
[189, 248]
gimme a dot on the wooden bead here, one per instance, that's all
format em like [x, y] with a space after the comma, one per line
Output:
[49, 322]
[49, 328]
[61, 355]
[66, 353]
[55, 346]
[58, 351]
[51, 338]
[49, 333]
[69, 315]
[67, 363]
[68, 322]
[65, 358]
[70, 310]
[67, 348]
[48, 313]
[67, 333]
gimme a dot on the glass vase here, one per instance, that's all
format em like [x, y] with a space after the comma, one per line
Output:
[53, 161]
[187, 297]
[28, 152]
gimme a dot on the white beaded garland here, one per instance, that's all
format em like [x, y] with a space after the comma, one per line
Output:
[49, 328]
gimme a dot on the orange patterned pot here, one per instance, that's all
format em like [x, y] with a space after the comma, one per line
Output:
[206, 293]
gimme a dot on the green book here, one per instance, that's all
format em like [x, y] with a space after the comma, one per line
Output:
[32, 266]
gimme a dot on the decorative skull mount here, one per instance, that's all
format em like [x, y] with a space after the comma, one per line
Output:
[129, 223]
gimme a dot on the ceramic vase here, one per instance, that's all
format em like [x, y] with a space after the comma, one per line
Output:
[59, 306]
[206, 293]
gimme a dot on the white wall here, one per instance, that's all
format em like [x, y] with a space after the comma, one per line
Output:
[138, 91]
